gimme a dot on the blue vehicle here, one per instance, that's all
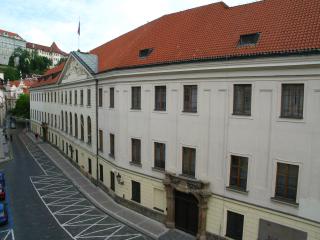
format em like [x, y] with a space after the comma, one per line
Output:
[3, 214]
[2, 181]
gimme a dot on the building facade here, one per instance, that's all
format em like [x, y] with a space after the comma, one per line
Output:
[8, 43]
[217, 136]
[54, 53]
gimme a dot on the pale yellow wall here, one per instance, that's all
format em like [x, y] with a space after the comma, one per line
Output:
[218, 207]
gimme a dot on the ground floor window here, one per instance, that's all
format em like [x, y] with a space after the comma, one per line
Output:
[136, 195]
[112, 181]
[234, 225]
[77, 160]
[101, 172]
[89, 166]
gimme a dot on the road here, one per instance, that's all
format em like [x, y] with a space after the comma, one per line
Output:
[44, 204]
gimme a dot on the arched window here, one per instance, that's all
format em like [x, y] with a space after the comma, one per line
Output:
[81, 128]
[62, 125]
[75, 125]
[89, 129]
[70, 119]
[66, 121]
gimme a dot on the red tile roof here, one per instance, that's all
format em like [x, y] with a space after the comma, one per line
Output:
[213, 31]
[50, 77]
[10, 34]
[53, 48]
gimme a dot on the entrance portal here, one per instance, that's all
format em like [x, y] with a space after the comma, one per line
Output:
[186, 212]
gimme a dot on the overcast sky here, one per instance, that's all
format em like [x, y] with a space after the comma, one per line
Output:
[45, 21]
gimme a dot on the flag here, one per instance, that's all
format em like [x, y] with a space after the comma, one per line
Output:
[79, 29]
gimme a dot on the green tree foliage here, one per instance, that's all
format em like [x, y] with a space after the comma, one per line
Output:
[22, 108]
[61, 61]
[29, 63]
[11, 73]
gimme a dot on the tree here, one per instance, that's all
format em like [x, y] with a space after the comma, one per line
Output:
[22, 108]
[61, 60]
[29, 63]
[11, 73]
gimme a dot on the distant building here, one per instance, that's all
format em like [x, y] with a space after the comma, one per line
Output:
[53, 52]
[9, 41]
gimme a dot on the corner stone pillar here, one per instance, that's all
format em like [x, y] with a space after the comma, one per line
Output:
[170, 220]
[203, 207]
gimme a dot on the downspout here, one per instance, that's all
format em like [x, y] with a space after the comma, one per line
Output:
[97, 132]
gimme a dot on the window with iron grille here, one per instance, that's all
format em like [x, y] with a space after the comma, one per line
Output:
[234, 225]
[287, 181]
[89, 166]
[292, 101]
[70, 120]
[159, 155]
[75, 125]
[242, 99]
[112, 145]
[160, 98]
[81, 128]
[136, 98]
[101, 172]
[135, 151]
[100, 97]
[111, 104]
[190, 98]
[89, 130]
[238, 172]
[65, 98]
[88, 97]
[188, 161]
[136, 191]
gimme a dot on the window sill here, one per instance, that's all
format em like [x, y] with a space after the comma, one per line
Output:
[237, 190]
[185, 176]
[88, 106]
[160, 111]
[111, 108]
[136, 164]
[160, 170]
[238, 116]
[292, 120]
[285, 201]
[135, 109]
[190, 113]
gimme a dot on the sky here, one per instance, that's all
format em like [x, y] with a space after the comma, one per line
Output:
[45, 21]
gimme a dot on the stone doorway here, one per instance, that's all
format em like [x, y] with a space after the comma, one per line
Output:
[191, 192]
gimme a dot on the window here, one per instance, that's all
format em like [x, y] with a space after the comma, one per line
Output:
[75, 125]
[70, 119]
[188, 161]
[62, 121]
[101, 172]
[66, 121]
[190, 98]
[249, 39]
[75, 97]
[89, 166]
[61, 97]
[101, 140]
[100, 97]
[89, 129]
[242, 99]
[292, 101]
[112, 181]
[136, 151]
[81, 128]
[111, 97]
[77, 157]
[287, 181]
[81, 97]
[135, 191]
[143, 53]
[234, 225]
[65, 98]
[136, 98]
[88, 97]
[55, 97]
[112, 145]
[159, 155]
[70, 97]
[160, 98]
[238, 172]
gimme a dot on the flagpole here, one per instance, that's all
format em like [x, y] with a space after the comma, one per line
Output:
[79, 35]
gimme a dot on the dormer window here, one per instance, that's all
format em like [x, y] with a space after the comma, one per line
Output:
[249, 39]
[145, 52]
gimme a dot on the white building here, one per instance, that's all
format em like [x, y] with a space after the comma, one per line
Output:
[208, 120]
[9, 41]
[54, 53]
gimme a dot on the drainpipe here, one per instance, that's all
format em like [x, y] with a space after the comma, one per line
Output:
[97, 132]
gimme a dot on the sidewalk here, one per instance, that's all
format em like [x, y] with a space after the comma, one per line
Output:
[101, 199]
